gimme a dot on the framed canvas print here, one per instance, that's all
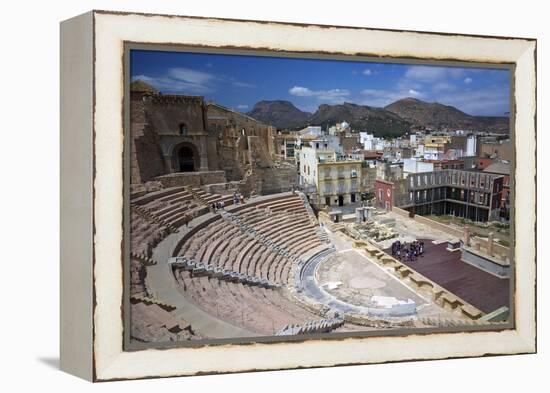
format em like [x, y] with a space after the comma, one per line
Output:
[246, 195]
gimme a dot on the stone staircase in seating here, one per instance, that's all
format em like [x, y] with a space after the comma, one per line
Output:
[147, 215]
[196, 195]
[321, 234]
[321, 326]
[199, 269]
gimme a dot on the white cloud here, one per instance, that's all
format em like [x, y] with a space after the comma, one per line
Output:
[300, 91]
[183, 80]
[190, 76]
[332, 96]
[242, 84]
[493, 101]
[242, 106]
[430, 74]
[468, 80]
[425, 73]
[171, 85]
[443, 86]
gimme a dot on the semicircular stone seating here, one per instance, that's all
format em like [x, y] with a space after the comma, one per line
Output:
[262, 239]
[156, 214]
[152, 217]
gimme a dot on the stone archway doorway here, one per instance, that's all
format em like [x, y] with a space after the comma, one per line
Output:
[186, 159]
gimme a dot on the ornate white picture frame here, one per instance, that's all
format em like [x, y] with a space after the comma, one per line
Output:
[93, 89]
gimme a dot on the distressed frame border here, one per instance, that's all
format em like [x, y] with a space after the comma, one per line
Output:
[131, 346]
[112, 30]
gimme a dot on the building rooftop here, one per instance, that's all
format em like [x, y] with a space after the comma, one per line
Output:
[501, 168]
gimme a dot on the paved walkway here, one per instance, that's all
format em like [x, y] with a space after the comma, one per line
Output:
[164, 287]
[352, 266]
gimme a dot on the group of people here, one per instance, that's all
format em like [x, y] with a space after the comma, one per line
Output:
[215, 206]
[237, 198]
[220, 205]
[407, 251]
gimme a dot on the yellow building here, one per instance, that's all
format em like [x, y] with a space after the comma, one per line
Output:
[328, 179]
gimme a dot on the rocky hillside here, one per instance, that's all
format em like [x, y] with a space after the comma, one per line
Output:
[281, 114]
[141, 86]
[438, 116]
[364, 118]
[393, 120]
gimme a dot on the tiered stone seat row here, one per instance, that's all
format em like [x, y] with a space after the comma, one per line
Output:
[171, 207]
[152, 322]
[321, 326]
[208, 198]
[259, 241]
[199, 269]
[260, 310]
[277, 242]
[145, 234]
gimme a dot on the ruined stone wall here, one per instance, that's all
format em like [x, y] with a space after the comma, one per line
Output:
[275, 180]
[222, 140]
[168, 113]
[368, 178]
[192, 179]
[146, 160]
[231, 126]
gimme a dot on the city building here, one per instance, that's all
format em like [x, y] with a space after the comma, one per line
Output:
[502, 168]
[473, 195]
[367, 140]
[502, 149]
[329, 179]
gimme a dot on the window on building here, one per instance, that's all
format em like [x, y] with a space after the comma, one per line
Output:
[183, 129]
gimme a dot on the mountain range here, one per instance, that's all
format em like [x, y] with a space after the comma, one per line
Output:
[393, 120]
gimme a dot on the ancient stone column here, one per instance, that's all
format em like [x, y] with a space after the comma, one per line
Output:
[359, 215]
[368, 216]
[467, 236]
[490, 241]
[478, 246]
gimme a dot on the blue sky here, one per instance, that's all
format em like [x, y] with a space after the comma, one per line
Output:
[239, 82]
